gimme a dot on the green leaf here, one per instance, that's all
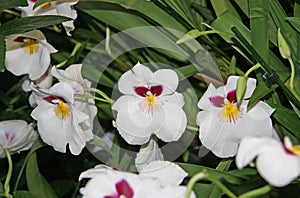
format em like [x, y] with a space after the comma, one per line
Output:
[286, 117]
[191, 35]
[147, 8]
[4, 4]
[186, 71]
[295, 21]
[2, 53]
[36, 183]
[192, 169]
[221, 6]
[24, 194]
[98, 141]
[22, 25]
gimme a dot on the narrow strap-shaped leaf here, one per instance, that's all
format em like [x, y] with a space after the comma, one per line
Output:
[259, 14]
[22, 25]
[2, 53]
[4, 4]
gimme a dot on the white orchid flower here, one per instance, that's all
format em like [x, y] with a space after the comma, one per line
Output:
[277, 163]
[59, 7]
[16, 136]
[28, 53]
[154, 181]
[72, 75]
[223, 124]
[59, 121]
[150, 106]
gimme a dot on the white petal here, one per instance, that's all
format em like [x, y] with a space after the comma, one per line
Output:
[148, 153]
[133, 124]
[93, 172]
[172, 192]
[285, 167]
[51, 128]
[62, 89]
[249, 148]
[167, 78]
[137, 76]
[174, 123]
[161, 170]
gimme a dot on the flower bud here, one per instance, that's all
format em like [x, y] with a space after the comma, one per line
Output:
[240, 89]
[283, 46]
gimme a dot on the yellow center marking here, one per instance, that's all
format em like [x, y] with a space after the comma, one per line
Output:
[30, 45]
[46, 5]
[230, 112]
[150, 104]
[295, 150]
[62, 110]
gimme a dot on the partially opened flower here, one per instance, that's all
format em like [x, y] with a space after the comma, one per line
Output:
[277, 163]
[223, 124]
[59, 121]
[154, 182]
[28, 53]
[16, 136]
[59, 7]
[150, 105]
[148, 153]
[72, 75]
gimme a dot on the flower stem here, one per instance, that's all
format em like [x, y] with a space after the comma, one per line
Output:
[9, 174]
[93, 97]
[191, 128]
[12, 13]
[253, 68]
[257, 192]
[205, 175]
[267, 68]
[21, 171]
[101, 93]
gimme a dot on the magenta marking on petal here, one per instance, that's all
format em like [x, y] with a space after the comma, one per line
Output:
[9, 137]
[50, 99]
[33, 1]
[123, 188]
[156, 90]
[20, 39]
[217, 101]
[287, 151]
[141, 91]
[231, 96]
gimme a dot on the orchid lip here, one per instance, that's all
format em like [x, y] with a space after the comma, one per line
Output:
[143, 91]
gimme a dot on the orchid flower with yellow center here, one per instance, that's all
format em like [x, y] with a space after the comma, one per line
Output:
[277, 163]
[223, 123]
[150, 106]
[59, 121]
[59, 7]
[28, 53]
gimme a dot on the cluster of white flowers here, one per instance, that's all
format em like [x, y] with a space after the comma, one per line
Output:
[149, 110]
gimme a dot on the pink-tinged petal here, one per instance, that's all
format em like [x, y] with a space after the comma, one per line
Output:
[123, 188]
[161, 170]
[141, 91]
[217, 101]
[204, 102]
[231, 96]
[156, 90]
[167, 78]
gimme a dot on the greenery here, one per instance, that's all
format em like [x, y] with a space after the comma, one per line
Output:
[203, 40]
